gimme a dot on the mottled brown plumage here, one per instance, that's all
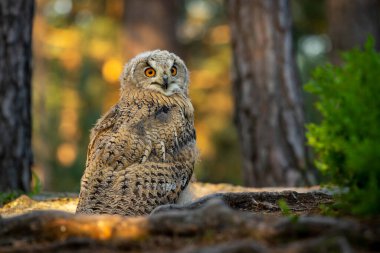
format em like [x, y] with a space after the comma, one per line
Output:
[142, 151]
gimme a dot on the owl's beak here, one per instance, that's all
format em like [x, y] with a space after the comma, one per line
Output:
[165, 81]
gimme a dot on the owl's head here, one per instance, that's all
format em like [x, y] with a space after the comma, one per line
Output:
[156, 70]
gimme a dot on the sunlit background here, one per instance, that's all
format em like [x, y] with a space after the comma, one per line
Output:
[80, 48]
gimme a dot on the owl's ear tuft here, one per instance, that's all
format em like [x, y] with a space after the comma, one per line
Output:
[126, 75]
[187, 74]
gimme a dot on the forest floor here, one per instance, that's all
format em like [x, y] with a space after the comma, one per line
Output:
[231, 219]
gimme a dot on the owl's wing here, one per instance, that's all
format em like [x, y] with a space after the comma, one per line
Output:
[115, 144]
[116, 135]
[108, 120]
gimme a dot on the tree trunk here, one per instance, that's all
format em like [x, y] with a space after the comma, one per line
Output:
[151, 24]
[350, 23]
[268, 107]
[16, 18]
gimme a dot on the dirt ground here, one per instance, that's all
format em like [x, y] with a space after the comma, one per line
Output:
[223, 218]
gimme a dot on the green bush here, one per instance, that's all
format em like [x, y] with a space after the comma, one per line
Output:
[347, 140]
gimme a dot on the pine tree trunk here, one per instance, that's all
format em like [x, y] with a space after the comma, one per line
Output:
[16, 18]
[350, 23]
[268, 105]
[151, 24]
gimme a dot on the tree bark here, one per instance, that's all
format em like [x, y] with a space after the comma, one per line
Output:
[350, 23]
[15, 94]
[150, 25]
[268, 106]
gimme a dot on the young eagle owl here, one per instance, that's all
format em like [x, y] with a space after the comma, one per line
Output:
[142, 151]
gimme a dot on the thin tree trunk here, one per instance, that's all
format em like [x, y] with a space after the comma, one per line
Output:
[350, 23]
[16, 18]
[151, 24]
[268, 107]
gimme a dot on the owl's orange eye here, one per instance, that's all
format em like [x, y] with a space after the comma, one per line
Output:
[173, 70]
[150, 72]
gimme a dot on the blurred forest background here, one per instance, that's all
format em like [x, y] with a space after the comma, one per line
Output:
[80, 47]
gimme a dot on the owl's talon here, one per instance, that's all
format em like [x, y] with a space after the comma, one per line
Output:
[165, 208]
[163, 150]
[143, 160]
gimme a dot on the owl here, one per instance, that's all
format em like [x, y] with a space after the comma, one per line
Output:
[142, 151]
